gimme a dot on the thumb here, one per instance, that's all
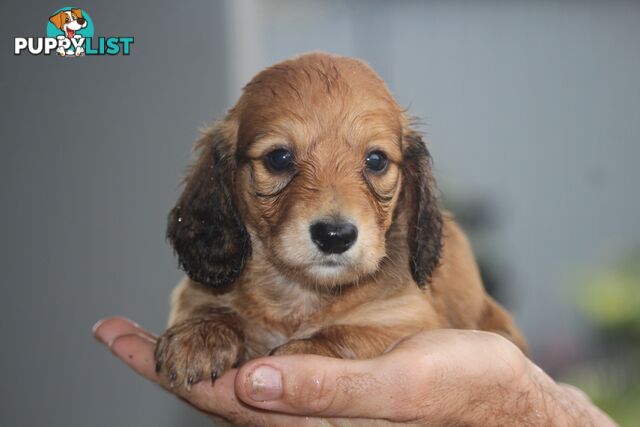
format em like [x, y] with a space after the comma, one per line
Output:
[323, 386]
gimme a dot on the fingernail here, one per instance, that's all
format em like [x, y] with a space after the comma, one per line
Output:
[95, 327]
[265, 384]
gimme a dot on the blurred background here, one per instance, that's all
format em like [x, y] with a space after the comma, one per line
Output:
[531, 109]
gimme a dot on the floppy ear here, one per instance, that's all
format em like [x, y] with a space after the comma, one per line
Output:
[424, 233]
[57, 19]
[204, 227]
[77, 13]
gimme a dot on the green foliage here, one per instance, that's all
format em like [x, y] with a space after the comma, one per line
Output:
[611, 300]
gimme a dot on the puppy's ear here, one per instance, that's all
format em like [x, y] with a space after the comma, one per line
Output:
[424, 222]
[77, 13]
[57, 19]
[204, 227]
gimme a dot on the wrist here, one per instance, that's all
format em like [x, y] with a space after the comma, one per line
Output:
[559, 404]
[529, 397]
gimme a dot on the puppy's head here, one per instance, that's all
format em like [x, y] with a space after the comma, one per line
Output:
[69, 21]
[312, 166]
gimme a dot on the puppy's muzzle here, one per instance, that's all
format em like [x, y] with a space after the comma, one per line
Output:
[333, 237]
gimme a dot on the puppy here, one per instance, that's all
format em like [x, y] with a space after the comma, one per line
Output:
[69, 21]
[310, 223]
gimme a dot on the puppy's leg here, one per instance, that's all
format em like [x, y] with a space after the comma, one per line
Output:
[60, 51]
[203, 340]
[344, 341]
[79, 50]
[200, 347]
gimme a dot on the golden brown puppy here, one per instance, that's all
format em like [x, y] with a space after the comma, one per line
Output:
[310, 224]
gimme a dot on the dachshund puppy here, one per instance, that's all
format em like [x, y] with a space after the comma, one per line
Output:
[310, 223]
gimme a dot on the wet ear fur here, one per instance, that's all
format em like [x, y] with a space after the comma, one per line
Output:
[204, 227]
[424, 232]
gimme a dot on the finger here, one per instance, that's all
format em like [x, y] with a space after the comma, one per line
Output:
[315, 385]
[108, 329]
[136, 351]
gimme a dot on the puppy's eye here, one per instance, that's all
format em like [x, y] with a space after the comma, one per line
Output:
[376, 161]
[279, 160]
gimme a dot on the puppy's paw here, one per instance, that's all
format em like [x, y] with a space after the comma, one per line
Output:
[305, 346]
[197, 349]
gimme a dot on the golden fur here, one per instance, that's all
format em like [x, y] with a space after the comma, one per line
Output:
[259, 286]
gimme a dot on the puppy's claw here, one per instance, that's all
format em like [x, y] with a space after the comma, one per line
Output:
[172, 379]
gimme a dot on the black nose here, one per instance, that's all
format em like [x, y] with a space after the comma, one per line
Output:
[333, 237]
[81, 21]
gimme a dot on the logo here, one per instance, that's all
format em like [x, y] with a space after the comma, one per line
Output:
[70, 33]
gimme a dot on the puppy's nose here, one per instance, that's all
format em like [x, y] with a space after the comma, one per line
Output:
[333, 237]
[81, 21]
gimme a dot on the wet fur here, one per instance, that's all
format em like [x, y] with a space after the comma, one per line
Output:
[247, 295]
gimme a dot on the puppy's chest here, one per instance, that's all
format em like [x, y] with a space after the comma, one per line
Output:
[264, 335]
[260, 341]
[278, 312]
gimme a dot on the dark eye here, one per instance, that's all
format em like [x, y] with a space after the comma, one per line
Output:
[376, 161]
[279, 160]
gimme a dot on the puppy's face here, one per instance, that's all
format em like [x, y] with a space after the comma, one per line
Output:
[311, 165]
[69, 21]
[319, 170]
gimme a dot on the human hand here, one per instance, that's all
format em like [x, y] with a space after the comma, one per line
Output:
[435, 378]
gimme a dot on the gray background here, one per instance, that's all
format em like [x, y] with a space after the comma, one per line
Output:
[532, 106]
[92, 154]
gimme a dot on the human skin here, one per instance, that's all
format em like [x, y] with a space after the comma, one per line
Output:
[435, 378]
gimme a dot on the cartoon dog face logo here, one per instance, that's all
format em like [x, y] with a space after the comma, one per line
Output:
[69, 21]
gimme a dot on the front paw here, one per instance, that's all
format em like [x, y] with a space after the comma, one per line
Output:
[196, 349]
